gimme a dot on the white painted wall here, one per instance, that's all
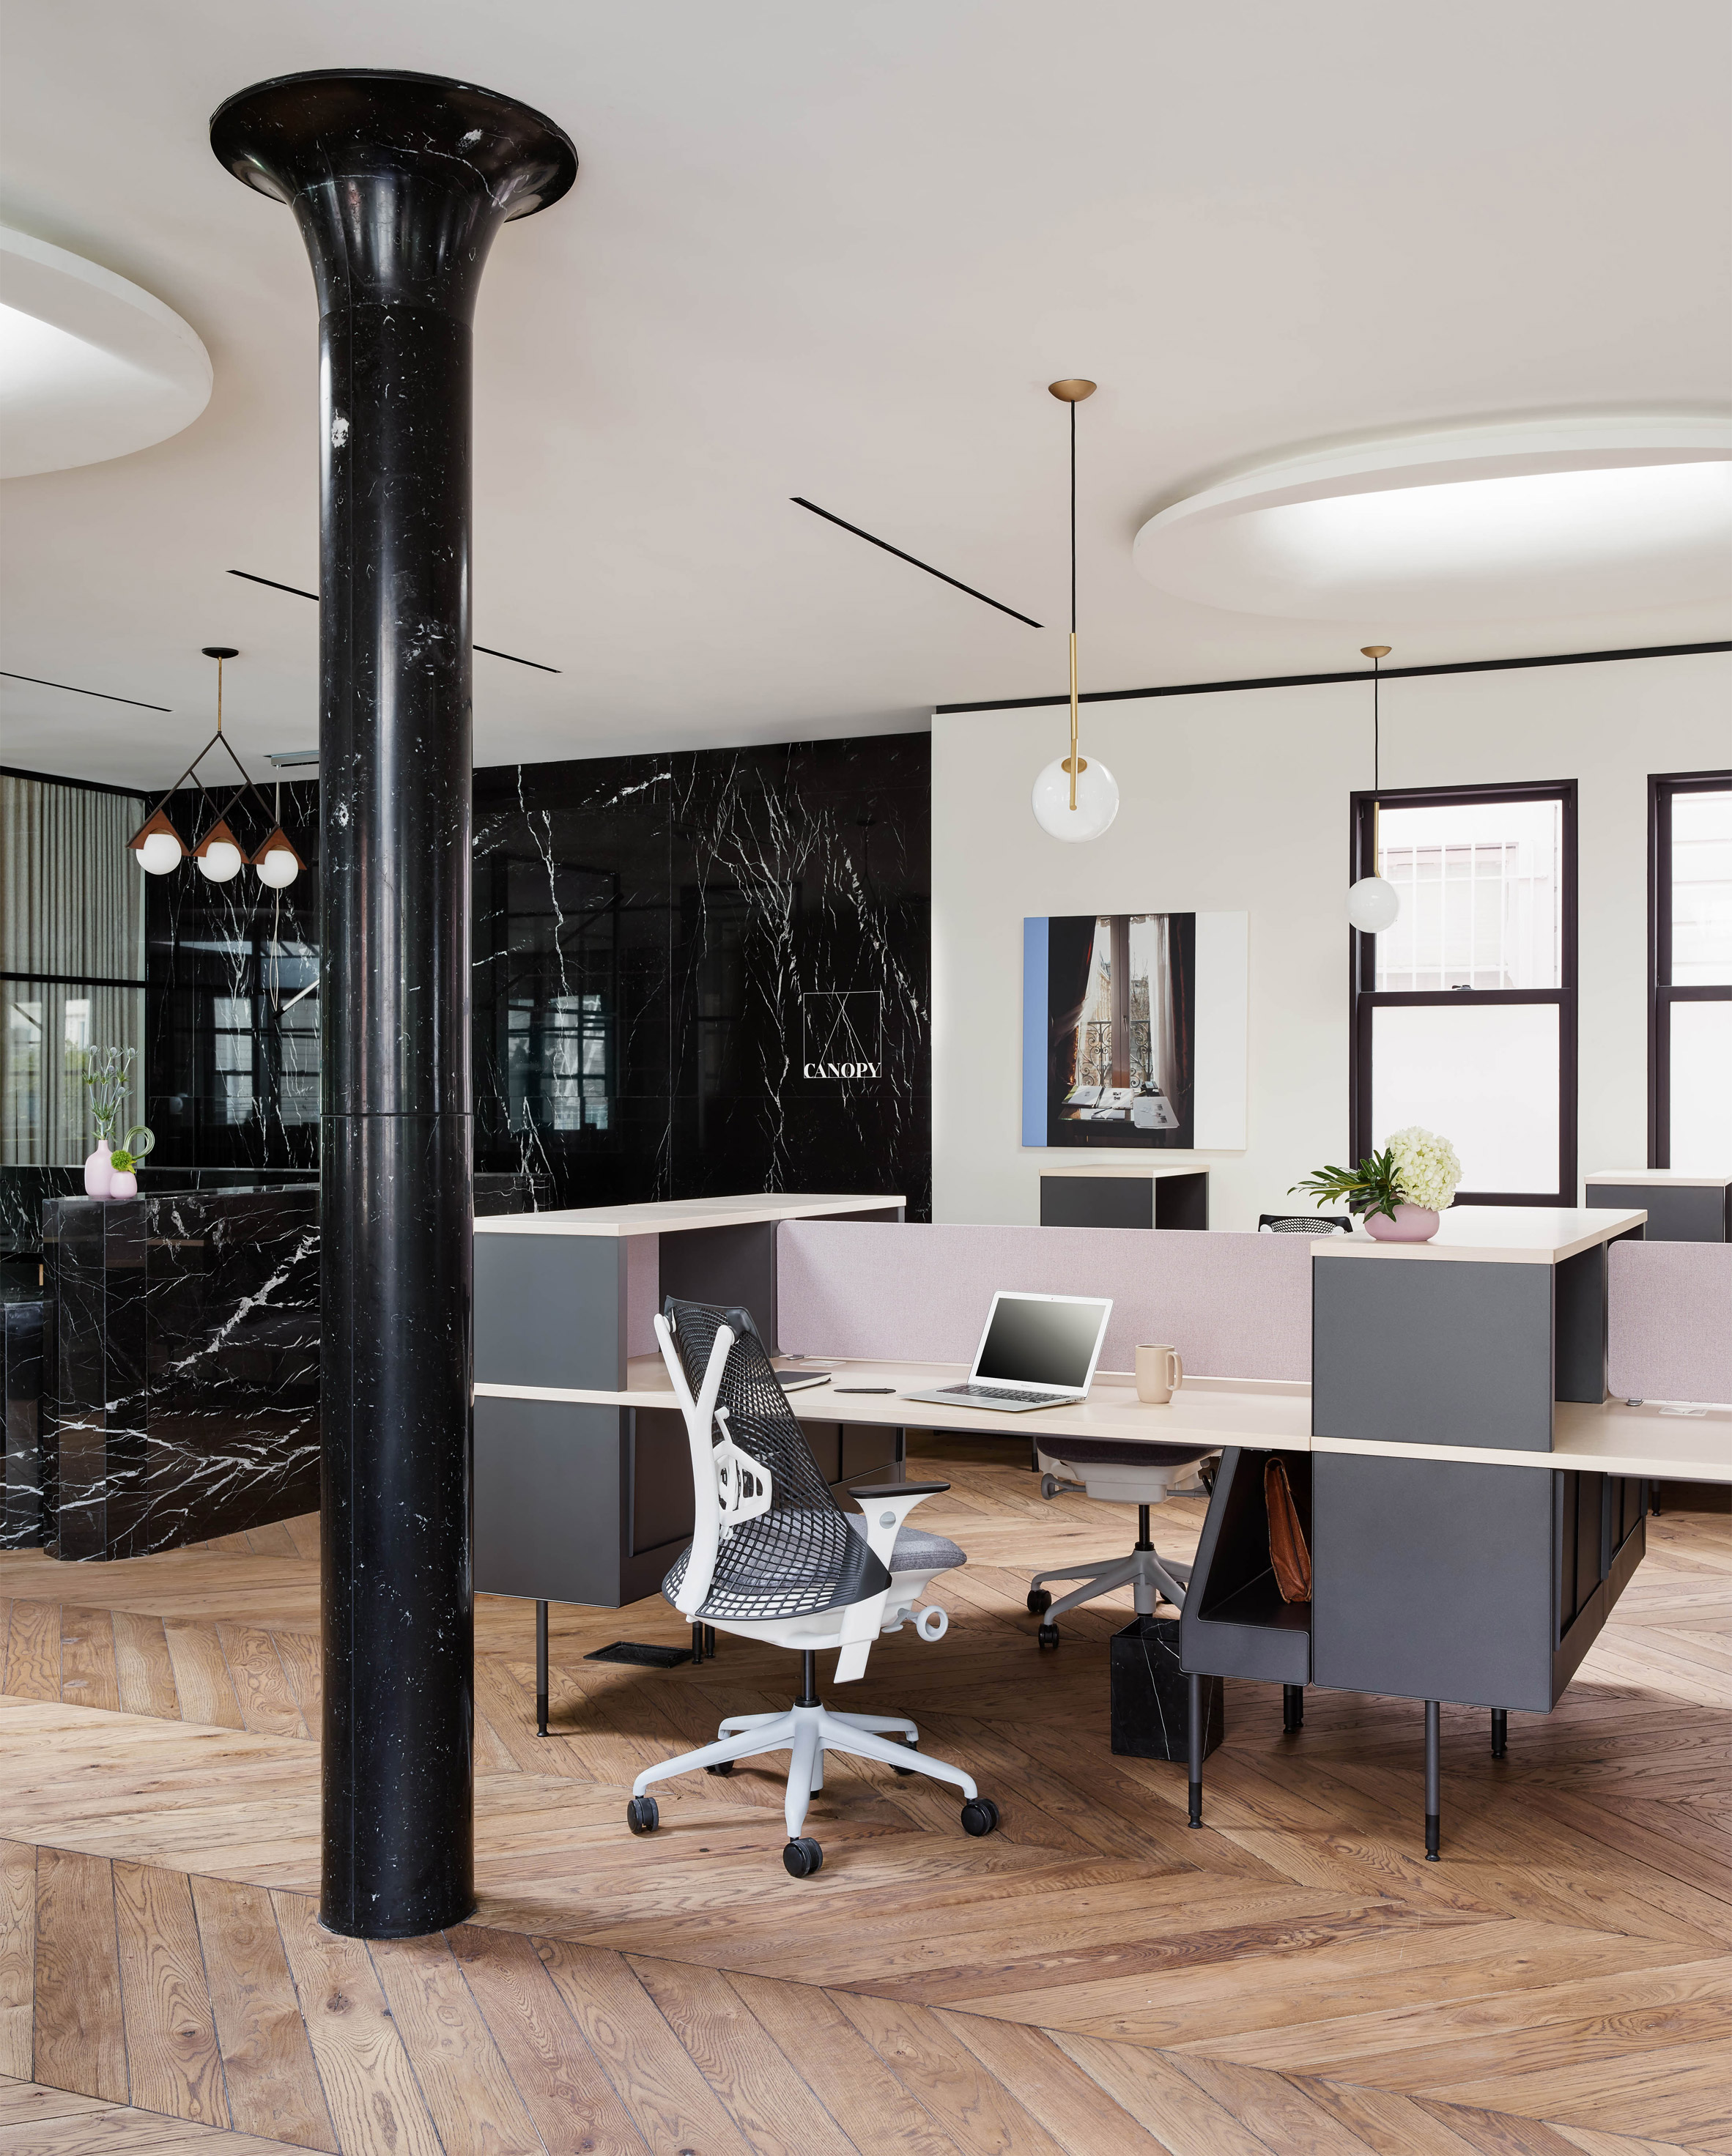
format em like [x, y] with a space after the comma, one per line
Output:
[1241, 801]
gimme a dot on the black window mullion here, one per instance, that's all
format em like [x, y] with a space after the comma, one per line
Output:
[1663, 789]
[1365, 996]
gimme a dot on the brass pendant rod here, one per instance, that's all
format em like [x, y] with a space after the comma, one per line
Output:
[1377, 767]
[1073, 607]
[1376, 653]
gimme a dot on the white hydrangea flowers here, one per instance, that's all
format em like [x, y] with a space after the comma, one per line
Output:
[1426, 1166]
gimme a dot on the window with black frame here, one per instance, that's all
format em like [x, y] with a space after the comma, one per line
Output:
[1464, 1015]
[1689, 1058]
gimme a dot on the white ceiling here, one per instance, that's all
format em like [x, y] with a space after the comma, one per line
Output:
[838, 251]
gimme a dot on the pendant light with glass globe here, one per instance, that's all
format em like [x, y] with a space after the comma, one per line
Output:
[1074, 798]
[218, 854]
[1372, 903]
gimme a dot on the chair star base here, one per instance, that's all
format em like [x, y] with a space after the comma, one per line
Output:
[1150, 1577]
[806, 1731]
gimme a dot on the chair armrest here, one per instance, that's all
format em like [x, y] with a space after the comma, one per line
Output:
[886, 1506]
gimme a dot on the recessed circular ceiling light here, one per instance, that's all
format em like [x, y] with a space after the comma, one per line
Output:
[91, 367]
[1551, 516]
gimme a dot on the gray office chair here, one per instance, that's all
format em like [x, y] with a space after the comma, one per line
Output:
[774, 1556]
[1304, 1224]
[1123, 1471]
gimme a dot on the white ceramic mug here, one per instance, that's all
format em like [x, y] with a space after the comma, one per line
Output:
[1160, 1374]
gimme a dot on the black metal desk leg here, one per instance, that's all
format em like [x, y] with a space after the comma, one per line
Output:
[709, 1643]
[698, 1643]
[1434, 1778]
[1500, 1731]
[541, 1669]
[1197, 1733]
[1293, 1708]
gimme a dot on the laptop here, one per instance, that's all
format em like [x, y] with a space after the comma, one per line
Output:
[1037, 1351]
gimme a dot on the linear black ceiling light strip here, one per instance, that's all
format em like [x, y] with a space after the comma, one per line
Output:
[72, 981]
[1320, 680]
[914, 560]
[296, 590]
[71, 691]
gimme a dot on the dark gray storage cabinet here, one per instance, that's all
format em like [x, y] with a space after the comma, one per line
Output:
[1235, 1623]
[1134, 1199]
[1448, 1580]
[1431, 1579]
[591, 1502]
[1680, 1209]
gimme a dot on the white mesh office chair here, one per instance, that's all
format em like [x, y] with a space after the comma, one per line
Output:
[774, 1556]
[1124, 1472]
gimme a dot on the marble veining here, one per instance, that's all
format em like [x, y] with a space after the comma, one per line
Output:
[231, 1074]
[171, 1392]
[656, 939]
[652, 937]
[180, 1368]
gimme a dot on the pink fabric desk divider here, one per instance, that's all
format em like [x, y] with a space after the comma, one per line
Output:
[643, 1292]
[1235, 1305]
[1669, 1321]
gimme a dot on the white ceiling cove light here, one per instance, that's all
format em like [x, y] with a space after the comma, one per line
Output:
[91, 367]
[1530, 517]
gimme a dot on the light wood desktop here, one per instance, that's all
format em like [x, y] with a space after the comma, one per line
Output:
[1613, 1438]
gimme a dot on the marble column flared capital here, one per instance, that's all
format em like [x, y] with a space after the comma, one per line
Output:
[398, 181]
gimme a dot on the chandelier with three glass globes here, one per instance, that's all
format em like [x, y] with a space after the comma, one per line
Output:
[219, 854]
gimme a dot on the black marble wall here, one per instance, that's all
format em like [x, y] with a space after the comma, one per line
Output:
[231, 1075]
[708, 972]
[694, 973]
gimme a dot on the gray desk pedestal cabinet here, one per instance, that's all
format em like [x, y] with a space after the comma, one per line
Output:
[581, 1495]
[1445, 1565]
[1680, 1208]
[1170, 1195]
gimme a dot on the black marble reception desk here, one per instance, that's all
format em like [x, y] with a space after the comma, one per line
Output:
[21, 1390]
[179, 1368]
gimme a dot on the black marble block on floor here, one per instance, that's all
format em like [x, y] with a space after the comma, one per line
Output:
[21, 1390]
[180, 1367]
[1151, 1694]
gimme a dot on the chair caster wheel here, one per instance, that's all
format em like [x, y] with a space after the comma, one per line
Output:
[1048, 1635]
[914, 1744]
[802, 1858]
[1049, 1485]
[721, 1767]
[642, 1816]
[1039, 1602]
[979, 1816]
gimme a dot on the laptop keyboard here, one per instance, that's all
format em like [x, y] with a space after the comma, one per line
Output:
[997, 1393]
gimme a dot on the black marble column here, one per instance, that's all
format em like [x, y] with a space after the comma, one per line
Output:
[398, 183]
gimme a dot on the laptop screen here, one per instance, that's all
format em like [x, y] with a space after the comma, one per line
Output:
[1031, 1340]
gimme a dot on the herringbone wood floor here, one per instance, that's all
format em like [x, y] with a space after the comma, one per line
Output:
[1094, 1980]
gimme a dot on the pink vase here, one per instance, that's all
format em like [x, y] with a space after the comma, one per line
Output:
[98, 1174]
[1412, 1224]
[123, 1183]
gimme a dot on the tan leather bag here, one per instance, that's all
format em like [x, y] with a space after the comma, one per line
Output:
[1287, 1553]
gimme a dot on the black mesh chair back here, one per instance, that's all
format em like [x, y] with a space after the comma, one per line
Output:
[1306, 1223]
[801, 1556]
